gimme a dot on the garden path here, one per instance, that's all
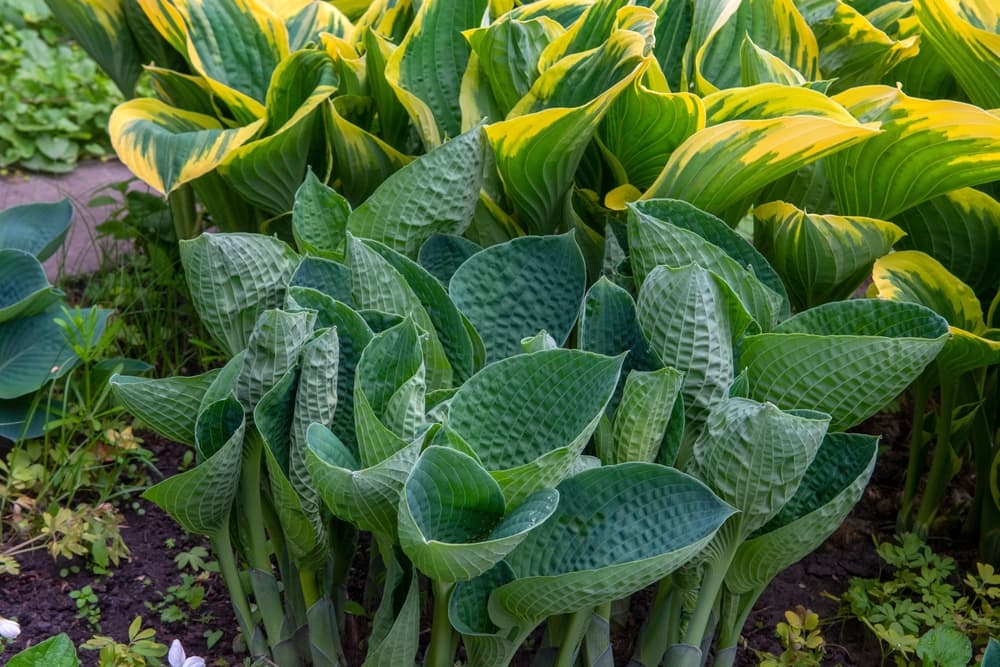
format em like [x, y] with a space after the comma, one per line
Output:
[83, 251]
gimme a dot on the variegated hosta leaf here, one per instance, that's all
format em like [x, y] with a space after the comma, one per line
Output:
[220, 34]
[200, 499]
[319, 218]
[442, 254]
[852, 50]
[707, 20]
[724, 164]
[169, 406]
[102, 29]
[597, 21]
[563, 12]
[268, 171]
[166, 20]
[520, 409]
[508, 51]
[539, 148]
[912, 276]
[674, 233]
[168, 147]
[967, 37]
[753, 456]
[960, 229]
[389, 392]
[376, 284]
[426, 70]
[367, 497]
[926, 148]
[371, 159]
[644, 126]
[38, 229]
[394, 122]
[436, 193]
[314, 19]
[821, 257]
[847, 358]
[758, 65]
[775, 25]
[616, 530]
[832, 485]
[691, 319]
[514, 290]
[24, 288]
[233, 278]
[395, 636]
[642, 418]
[454, 523]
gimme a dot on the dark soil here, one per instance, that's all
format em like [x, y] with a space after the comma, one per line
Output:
[39, 599]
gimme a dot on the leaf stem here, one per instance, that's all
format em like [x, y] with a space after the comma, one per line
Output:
[441, 652]
[940, 472]
[222, 547]
[573, 635]
[918, 451]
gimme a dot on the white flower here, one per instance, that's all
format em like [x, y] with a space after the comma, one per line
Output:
[177, 657]
[9, 629]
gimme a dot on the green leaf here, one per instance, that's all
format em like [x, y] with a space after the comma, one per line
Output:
[991, 657]
[616, 529]
[514, 290]
[452, 519]
[38, 229]
[847, 358]
[436, 193]
[24, 289]
[944, 646]
[691, 319]
[57, 651]
[396, 627]
[821, 257]
[642, 418]
[234, 278]
[330, 278]
[319, 218]
[442, 254]
[169, 406]
[201, 498]
[272, 350]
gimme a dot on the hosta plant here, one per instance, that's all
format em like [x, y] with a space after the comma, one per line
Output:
[536, 448]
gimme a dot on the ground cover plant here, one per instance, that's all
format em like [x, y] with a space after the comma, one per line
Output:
[599, 154]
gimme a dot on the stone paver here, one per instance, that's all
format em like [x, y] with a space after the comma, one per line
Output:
[82, 251]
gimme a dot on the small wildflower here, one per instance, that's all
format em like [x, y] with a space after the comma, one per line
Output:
[177, 657]
[11, 629]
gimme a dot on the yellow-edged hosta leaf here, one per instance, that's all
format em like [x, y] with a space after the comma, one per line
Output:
[538, 154]
[101, 28]
[184, 91]
[167, 21]
[236, 45]
[426, 70]
[771, 100]
[394, 122]
[758, 65]
[915, 277]
[588, 32]
[167, 147]
[709, 18]
[725, 164]
[775, 25]
[644, 126]
[852, 50]
[311, 20]
[673, 26]
[967, 37]
[564, 12]
[960, 229]
[820, 257]
[927, 148]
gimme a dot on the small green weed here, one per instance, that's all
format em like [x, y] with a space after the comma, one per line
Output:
[141, 650]
[800, 636]
[87, 606]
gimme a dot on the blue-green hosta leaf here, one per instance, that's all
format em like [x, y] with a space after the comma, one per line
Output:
[169, 406]
[442, 254]
[832, 485]
[436, 193]
[396, 627]
[426, 70]
[454, 523]
[38, 229]
[616, 530]
[960, 229]
[24, 289]
[273, 349]
[926, 148]
[691, 319]
[991, 657]
[754, 456]
[323, 275]
[319, 218]
[912, 276]
[367, 497]
[20, 419]
[642, 418]
[966, 35]
[377, 284]
[516, 289]
[200, 499]
[821, 257]
[234, 278]
[389, 392]
[674, 233]
[847, 358]
[528, 406]
[468, 611]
